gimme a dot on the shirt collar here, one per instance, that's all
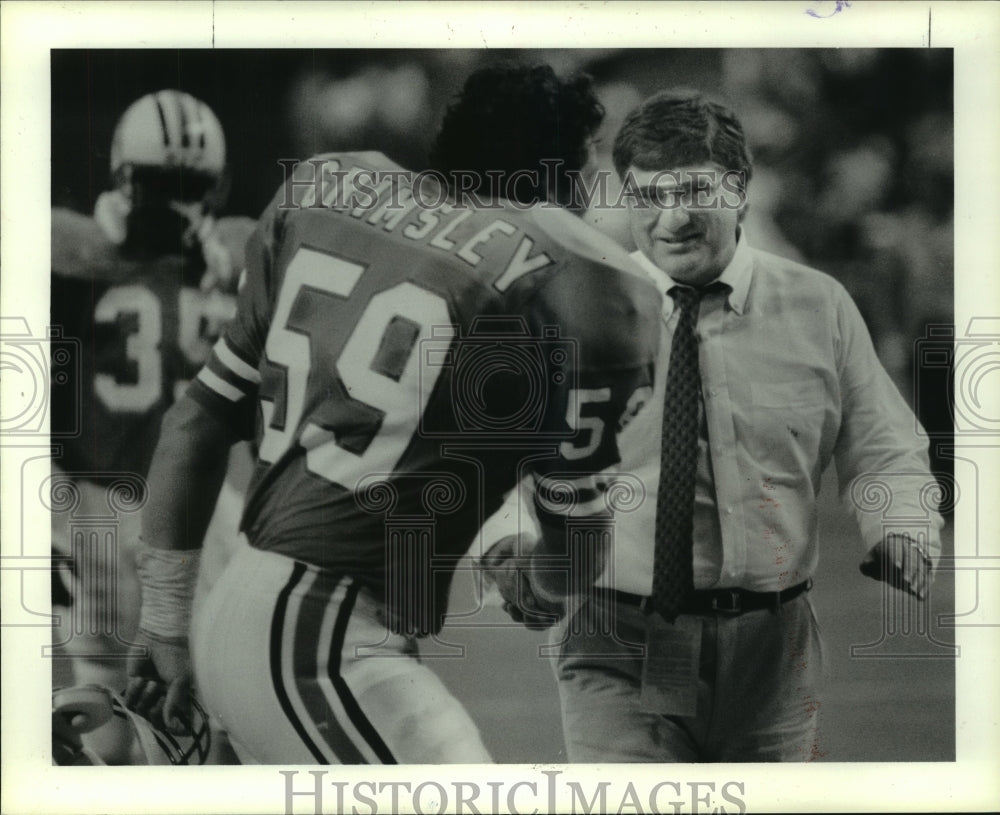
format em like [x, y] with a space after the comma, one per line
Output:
[736, 275]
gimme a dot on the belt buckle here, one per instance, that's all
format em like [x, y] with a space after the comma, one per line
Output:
[734, 603]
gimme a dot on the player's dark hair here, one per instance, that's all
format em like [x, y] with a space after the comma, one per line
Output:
[680, 127]
[508, 119]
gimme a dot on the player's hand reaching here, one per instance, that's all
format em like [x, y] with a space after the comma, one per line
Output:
[899, 561]
[159, 685]
[506, 566]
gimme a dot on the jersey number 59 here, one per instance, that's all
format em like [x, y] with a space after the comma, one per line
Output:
[399, 395]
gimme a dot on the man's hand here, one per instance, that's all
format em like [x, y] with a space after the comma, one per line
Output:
[506, 566]
[899, 561]
[159, 685]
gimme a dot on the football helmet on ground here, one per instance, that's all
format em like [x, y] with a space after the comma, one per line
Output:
[83, 709]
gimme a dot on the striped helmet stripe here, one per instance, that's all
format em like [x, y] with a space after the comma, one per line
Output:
[163, 122]
[197, 109]
[182, 117]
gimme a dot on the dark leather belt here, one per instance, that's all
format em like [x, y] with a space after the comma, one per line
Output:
[724, 601]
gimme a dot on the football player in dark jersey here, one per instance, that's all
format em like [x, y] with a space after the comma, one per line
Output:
[403, 353]
[145, 287]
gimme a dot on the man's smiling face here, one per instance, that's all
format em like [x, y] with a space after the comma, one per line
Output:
[685, 219]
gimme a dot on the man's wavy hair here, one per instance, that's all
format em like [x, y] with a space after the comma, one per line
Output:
[509, 119]
[680, 127]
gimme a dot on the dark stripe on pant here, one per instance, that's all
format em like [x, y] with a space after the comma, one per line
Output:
[354, 711]
[277, 628]
[305, 653]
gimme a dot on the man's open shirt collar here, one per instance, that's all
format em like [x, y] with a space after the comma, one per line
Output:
[736, 275]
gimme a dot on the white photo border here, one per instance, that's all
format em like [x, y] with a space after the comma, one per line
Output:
[29, 30]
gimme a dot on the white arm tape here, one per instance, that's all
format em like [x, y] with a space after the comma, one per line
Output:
[168, 578]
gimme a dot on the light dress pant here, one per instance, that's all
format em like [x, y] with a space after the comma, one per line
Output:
[758, 691]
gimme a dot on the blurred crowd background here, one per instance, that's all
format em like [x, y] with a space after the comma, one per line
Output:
[853, 148]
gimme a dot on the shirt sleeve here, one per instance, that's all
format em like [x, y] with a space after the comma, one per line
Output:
[881, 449]
[227, 385]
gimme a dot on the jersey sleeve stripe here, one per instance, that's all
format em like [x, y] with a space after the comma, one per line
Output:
[578, 504]
[225, 373]
[219, 385]
[572, 509]
[589, 477]
[228, 358]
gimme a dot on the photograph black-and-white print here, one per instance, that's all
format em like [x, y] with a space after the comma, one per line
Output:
[585, 426]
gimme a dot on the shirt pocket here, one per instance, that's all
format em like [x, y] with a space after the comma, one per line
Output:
[785, 427]
[797, 393]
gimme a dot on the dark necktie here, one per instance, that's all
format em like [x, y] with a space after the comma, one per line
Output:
[673, 577]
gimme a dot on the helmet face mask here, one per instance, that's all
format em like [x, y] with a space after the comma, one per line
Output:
[84, 709]
[158, 187]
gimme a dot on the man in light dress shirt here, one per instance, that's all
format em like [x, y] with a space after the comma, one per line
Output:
[789, 381]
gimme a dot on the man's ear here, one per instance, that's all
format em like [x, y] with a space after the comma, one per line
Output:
[743, 208]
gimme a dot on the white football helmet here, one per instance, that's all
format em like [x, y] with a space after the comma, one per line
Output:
[168, 152]
[165, 130]
[82, 709]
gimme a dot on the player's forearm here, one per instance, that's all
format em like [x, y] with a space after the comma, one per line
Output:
[185, 477]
